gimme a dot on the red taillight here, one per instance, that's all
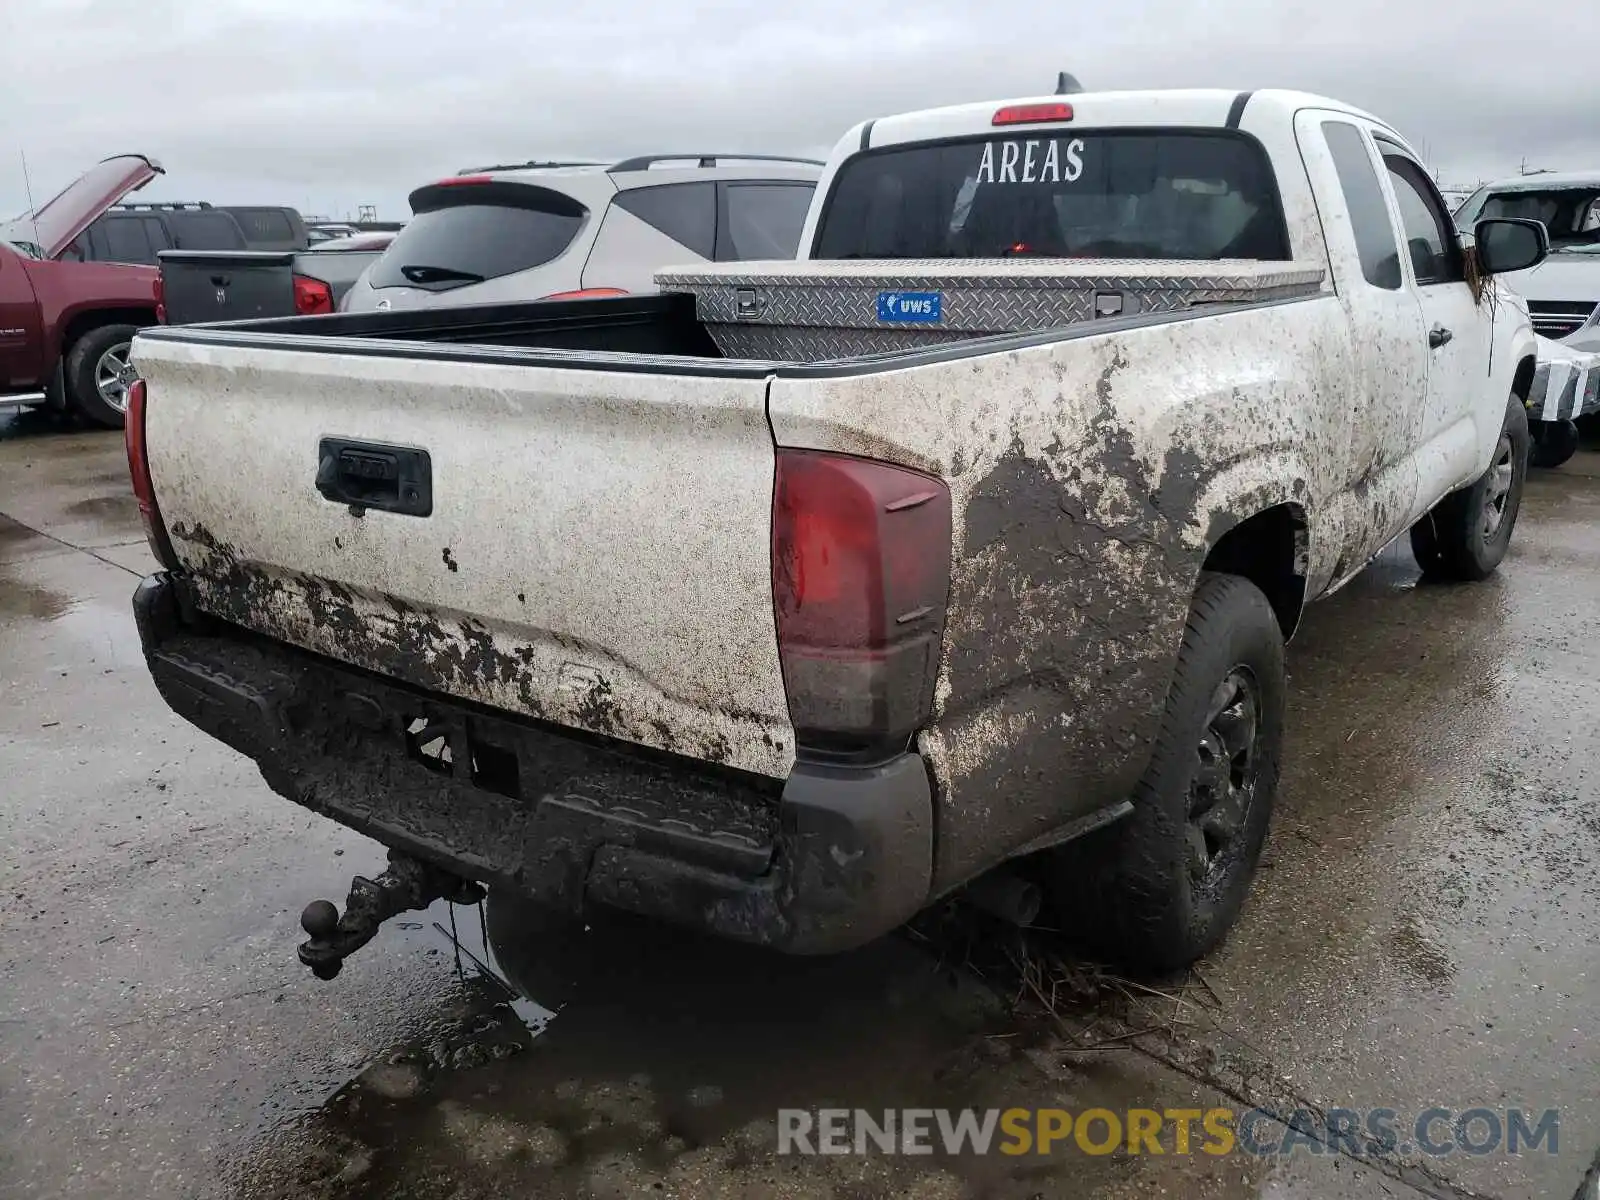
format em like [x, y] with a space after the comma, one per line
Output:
[1032, 114]
[161, 301]
[585, 294]
[312, 296]
[860, 577]
[464, 180]
[155, 531]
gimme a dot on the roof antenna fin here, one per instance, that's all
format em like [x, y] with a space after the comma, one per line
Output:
[1067, 84]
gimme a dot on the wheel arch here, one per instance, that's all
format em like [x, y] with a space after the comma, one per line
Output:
[1522, 378]
[91, 319]
[1271, 548]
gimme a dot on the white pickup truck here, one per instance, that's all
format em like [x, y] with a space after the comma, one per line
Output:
[787, 603]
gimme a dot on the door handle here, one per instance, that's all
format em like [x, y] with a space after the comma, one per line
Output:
[1438, 336]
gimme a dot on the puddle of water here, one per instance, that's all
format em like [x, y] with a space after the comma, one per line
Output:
[120, 506]
[83, 630]
[618, 1045]
[13, 534]
[30, 601]
[618, 1058]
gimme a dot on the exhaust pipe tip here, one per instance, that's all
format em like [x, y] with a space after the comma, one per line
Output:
[1009, 897]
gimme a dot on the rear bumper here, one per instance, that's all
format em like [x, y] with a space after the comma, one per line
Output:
[824, 861]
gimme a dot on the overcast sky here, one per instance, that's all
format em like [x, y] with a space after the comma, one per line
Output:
[336, 103]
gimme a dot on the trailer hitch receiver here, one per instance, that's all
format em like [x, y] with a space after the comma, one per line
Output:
[407, 883]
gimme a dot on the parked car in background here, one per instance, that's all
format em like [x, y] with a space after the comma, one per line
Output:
[65, 324]
[1563, 294]
[137, 233]
[325, 232]
[531, 231]
[373, 239]
[970, 538]
[234, 285]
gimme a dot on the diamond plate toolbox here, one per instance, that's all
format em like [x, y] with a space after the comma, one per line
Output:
[828, 309]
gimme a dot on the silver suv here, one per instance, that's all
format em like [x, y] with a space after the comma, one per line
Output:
[537, 230]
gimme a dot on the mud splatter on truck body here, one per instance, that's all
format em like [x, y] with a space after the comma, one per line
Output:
[1088, 483]
[504, 595]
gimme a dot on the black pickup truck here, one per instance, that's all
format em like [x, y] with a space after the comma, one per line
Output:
[199, 286]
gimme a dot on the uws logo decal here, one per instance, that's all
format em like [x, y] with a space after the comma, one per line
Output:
[913, 307]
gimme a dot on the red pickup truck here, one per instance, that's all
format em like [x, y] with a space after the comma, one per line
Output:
[65, 326]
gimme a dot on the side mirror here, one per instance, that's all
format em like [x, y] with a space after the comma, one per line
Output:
[1508, 244]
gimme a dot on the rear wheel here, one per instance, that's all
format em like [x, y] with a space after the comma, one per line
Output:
[1553, 443]
[1163, 887]
[1468, 532]
[98, 372]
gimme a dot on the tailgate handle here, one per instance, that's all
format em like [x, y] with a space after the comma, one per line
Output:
[397, 479]
[221, 280]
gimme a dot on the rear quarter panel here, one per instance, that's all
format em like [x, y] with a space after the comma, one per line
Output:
[1088, 477]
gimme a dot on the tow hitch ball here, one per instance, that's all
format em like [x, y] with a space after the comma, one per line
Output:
[406, 884]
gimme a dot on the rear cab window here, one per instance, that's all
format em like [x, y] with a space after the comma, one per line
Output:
[1150, 194]
[467, 232]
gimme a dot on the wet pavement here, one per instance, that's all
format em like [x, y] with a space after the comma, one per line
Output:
[1423, 933]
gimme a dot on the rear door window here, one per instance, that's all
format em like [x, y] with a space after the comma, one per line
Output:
[1092, 194]
[156, 232]
[126, 240]
[684, 212]
[205, 231]
[762, 220]
[467, 233]
[1363, 198]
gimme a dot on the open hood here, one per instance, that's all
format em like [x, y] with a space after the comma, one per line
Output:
[55, 223]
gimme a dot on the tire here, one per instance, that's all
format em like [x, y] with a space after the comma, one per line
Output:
[1468, 532]
[92, 363]
[1553, 443]
[1161, 888]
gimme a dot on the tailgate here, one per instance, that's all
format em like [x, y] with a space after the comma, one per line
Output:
[597, 552]
[236, 285]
